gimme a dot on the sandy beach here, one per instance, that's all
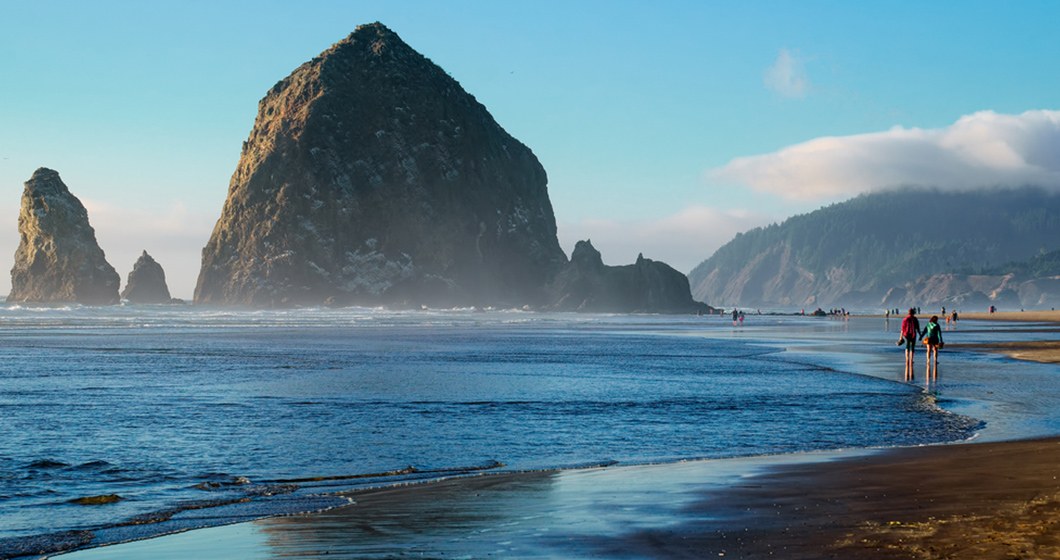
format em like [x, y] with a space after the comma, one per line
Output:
[990, 500]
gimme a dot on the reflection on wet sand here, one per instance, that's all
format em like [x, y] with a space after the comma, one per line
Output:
[447, 517]
[558, 514]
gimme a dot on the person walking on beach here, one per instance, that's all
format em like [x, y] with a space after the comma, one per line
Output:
[910, 332]
[735, 316]
[741, 318]
[933, 341]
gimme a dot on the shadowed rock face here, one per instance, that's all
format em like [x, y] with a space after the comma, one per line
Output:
[58, 259]
[147, 282]
[587, 284]
[372, 177]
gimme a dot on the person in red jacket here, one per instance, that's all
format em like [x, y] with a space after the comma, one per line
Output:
[910, 332]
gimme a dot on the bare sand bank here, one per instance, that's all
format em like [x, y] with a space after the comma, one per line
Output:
[1024, 316]
[1041, 351]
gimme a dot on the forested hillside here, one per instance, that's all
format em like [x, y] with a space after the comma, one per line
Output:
[855, 251]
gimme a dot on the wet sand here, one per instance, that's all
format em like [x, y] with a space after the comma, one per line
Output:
[1042, 351]
[984, 501]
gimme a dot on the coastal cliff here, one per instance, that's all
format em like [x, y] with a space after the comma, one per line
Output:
[853, 253]
[371, 177]
[58, 259]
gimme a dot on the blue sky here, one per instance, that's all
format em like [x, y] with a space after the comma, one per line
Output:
[665, 129]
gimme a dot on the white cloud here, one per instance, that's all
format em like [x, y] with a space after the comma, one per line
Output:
[788, 76]
[985, 149]
[681, 240]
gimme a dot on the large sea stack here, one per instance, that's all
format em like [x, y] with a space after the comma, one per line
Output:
[58, 259]
[372, 177]
[147, 282]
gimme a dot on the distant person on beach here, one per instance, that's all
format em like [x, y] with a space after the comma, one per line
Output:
[933, 341]
[910, 332]
[954, 317]
[741, 318]
[735, 316]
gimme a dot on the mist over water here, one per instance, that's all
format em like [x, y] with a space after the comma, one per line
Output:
[178, 409]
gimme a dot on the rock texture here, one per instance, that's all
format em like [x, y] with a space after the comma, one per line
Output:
[372, 177]
[58, 259]
[587, 284]
[147, 282]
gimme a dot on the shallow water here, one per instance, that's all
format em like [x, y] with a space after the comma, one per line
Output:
[177, 409]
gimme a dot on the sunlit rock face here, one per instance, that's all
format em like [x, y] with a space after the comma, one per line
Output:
[58, 259]
[372, 177]
[146, 282]
[647, 286]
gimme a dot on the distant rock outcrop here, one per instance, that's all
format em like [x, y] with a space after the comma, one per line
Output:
[587, 284]
[372, 177]
[147, 282]
[58, 259]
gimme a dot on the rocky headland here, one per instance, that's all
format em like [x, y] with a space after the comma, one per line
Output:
[371, 177]
[58, 259]
[147, 283]
[587, 284]
[900, 248]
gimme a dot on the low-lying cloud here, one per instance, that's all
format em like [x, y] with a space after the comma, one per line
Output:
[985, 149]
[681, 240]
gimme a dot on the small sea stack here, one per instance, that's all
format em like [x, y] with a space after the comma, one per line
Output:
[647, 286]
[146, 283]
[58, 259]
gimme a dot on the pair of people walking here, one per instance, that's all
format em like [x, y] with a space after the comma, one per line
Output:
[932, 334]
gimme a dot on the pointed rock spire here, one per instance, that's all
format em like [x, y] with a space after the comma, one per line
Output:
[146, 283]
[58, 259]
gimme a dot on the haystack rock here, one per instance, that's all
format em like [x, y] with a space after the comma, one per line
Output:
[146, 283]
[587, 284]
[58, 259]
[372, 177]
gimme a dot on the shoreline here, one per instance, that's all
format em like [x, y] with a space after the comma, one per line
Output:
[994, 499]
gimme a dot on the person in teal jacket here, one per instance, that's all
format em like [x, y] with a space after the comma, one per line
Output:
[933, 341]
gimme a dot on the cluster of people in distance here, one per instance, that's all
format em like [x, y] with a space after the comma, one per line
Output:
[932, 338]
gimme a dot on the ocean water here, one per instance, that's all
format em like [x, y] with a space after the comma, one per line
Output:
[244, 414]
